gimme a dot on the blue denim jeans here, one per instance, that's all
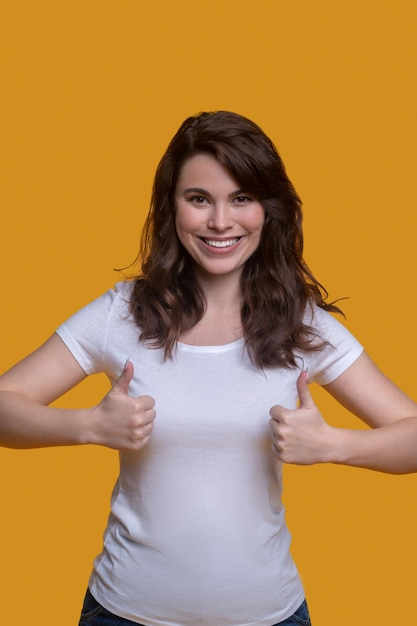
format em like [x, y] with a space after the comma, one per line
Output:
[93, 614]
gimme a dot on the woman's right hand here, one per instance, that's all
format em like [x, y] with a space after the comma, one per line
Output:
[121, 421]
[28, 388]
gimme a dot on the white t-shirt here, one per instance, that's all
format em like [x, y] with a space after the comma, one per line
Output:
[196, 533]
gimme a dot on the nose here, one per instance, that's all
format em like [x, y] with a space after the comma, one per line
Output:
[220, 217]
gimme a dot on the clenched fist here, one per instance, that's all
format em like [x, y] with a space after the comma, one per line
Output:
[300, 436]
[120, 421]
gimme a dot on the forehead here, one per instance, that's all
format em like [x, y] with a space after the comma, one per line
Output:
[205, 171]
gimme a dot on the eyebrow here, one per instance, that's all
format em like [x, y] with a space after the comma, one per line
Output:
[204, 192]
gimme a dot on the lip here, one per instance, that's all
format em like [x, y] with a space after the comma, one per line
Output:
[221, 247]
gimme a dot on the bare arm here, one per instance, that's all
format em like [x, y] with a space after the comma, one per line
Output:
[26, 420]
[391, 445]
[26, 390]
[303, 437]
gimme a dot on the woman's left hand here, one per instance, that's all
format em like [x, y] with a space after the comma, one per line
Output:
[300, 436]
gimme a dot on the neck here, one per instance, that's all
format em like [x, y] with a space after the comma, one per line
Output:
[222, 292]
[221, 322]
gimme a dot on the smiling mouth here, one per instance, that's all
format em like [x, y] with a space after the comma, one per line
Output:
[224, 243]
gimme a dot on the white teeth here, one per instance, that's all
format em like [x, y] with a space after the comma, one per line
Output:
[221, 244]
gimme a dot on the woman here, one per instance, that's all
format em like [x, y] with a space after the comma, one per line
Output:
[208, 351]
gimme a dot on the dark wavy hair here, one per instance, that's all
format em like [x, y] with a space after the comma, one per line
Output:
[276, 283]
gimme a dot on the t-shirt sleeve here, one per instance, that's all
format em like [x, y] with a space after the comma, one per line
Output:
[85, 332]
[341, 351]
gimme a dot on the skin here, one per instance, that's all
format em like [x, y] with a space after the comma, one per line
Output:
[212, 208]
[219, 211]
[119, 421]
[303, 437]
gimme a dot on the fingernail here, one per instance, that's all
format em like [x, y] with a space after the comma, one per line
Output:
[125, 365]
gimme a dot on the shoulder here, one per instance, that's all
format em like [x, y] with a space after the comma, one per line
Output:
[120, 295]
[99, 326]
[113, 301]
[324, 323]
[340, 348]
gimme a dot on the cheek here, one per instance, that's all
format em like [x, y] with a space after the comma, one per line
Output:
[186, 221]
[180, 227]
[181, 217]
[256, 221]
[179, 220]
[184, 228]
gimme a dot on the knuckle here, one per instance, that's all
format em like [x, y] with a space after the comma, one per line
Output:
[137, 405]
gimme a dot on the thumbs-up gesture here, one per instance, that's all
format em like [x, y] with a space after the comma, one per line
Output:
[121, 421]
[300, 436]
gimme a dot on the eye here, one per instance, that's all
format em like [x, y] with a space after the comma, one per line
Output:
[197, 199]
[242, 199]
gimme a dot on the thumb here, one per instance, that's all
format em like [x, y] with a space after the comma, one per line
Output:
[122, 384]
[306, 400]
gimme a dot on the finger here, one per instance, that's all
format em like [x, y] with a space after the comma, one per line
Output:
[277, 412]
[145, 405]
[122, 384]
[280, 414]
[306, 400]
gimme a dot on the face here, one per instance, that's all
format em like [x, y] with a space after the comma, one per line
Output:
[217, 222]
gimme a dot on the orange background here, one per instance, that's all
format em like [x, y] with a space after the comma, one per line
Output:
[92, 93]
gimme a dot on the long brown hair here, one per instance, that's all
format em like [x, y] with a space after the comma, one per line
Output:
[276, 283]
